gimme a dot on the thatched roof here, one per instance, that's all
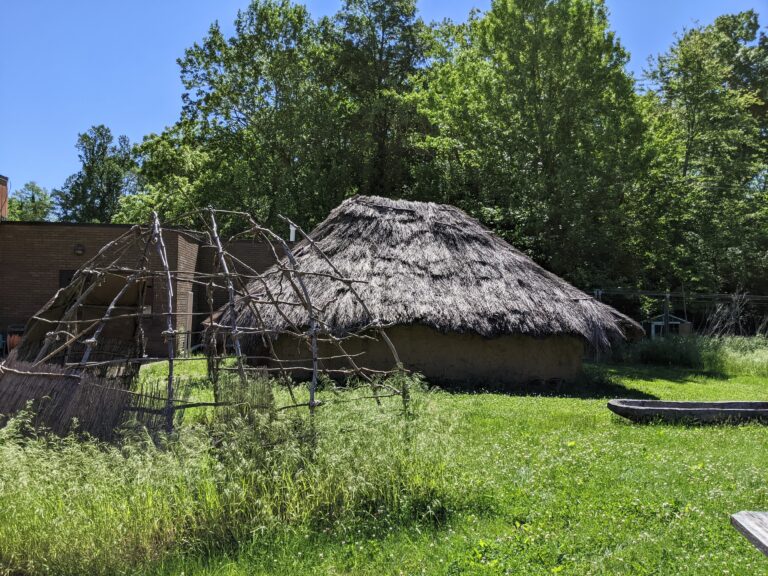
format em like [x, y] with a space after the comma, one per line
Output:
[433, 265]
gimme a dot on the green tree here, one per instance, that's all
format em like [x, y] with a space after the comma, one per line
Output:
[290, 116]
[536, 131]
[704, 202]
[254, 106]
[174, 178]
[525, 116]
[376, 49]
[107, 174]
[30, 203]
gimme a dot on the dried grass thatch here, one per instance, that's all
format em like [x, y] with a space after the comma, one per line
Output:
[433, 265]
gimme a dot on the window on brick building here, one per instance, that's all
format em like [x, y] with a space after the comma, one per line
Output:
[149, 299]
[65, 277]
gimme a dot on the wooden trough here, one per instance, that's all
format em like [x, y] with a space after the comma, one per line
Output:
[754, 527]
[691, 412]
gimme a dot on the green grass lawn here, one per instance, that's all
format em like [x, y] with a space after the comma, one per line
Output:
[575, 490]
[530, 485]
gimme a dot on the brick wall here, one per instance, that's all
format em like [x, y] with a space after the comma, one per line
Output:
[36, 257]
[32, 257]
[186, 262]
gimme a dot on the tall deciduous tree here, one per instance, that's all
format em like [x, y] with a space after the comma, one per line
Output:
[30, 203]
[107, 173]
[174, 177]
[254, 104]
[292, 116]
[377, 46]
[537, 131]
[705, 198]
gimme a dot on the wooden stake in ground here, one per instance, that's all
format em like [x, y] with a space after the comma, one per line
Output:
[170, 333]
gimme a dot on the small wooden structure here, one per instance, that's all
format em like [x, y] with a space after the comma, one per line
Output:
[675, 326]
[692, 412]
[754, 527]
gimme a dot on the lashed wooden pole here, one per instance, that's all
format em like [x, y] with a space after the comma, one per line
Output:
[300, 289]
[232, 304]
[405, 392]
[294, 268]
[170, 333]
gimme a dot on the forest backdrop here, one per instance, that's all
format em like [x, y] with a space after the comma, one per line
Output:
[525, 116]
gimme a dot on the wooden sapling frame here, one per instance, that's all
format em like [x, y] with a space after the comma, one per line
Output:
[245, 289]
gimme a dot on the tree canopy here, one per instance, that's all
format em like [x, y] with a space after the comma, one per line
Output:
[536, 132]
[525, 116]
[93, 194]
[703, 199]
[30, 203]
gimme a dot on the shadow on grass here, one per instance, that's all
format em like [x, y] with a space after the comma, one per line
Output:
[687, 422]
[594, 383]
[651, 372]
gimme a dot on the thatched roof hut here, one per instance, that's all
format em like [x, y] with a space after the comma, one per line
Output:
[463, 303]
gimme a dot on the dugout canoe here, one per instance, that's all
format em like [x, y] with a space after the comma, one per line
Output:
[692, 412]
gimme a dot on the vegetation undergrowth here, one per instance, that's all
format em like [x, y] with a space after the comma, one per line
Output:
[75, 506]
[727, 355]
[490, 484]
[575, 490]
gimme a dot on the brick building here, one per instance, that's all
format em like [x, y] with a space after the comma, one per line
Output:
[39, 258]
[3, 198]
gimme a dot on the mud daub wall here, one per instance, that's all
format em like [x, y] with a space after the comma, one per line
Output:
[463, 359]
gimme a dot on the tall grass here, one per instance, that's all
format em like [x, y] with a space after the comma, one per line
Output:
[574, 491]
[727, 355]
[73, 506]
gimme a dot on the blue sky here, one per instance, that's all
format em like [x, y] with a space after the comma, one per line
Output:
[65, 66]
